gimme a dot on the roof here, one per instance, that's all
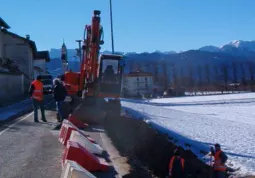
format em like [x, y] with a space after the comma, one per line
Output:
[30, 42]
[4, 24]
[43, 55]
[138, 74]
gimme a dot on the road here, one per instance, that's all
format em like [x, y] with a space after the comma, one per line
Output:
[31, 150]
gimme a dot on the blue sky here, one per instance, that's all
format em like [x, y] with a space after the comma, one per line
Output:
[139, 25]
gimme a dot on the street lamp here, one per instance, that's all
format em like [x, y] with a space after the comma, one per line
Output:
[111, 26]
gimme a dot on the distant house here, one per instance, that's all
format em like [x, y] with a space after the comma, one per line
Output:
[42, 57]
[138, 83]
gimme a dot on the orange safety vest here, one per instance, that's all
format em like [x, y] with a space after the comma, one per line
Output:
[218, 166]
[172, 162]
[38, 91]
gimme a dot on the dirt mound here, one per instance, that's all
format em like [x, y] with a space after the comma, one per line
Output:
[147, 148]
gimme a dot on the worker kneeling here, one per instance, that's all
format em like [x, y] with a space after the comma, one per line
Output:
[177, 166]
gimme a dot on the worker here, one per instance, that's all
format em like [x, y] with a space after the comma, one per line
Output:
[36, 93]
[59, 94]
[176, 166]
[220, 158]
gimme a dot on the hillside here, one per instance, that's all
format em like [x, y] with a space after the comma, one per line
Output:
[234, 60]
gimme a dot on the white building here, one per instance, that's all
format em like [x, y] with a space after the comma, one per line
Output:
[42, 57]
[138, 83]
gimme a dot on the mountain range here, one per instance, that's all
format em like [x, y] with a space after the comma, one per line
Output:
[236, 52]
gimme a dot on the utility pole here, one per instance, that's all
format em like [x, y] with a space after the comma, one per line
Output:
[111, 26]
[79, 50]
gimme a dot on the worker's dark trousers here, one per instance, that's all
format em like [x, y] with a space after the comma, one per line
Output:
[218, 174]
[59, 105]
[38, 104]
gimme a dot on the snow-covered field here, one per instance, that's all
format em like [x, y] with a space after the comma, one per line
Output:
[203, 121]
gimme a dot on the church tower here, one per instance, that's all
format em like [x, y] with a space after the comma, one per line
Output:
[64, 57]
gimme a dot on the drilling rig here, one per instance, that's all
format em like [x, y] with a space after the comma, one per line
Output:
[97, 87]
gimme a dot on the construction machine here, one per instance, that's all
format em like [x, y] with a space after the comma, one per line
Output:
[100, 77]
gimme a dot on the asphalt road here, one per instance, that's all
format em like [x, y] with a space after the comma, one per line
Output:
[30, 150]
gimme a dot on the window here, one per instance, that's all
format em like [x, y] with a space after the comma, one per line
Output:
[146, 86]
[145, 79]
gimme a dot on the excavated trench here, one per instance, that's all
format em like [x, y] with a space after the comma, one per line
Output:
[147, 149]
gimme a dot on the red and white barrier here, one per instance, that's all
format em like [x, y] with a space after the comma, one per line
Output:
[75, 152]
[83, 141]
[79, 124]
[74, 170]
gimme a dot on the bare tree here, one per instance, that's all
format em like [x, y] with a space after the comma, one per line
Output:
[155, 69]
[175, 80]
[225, 70]
[164, 67]
[251, 71]
[191, 77]
[131, 66]
[208, 74]
[200, 77]
[244, 82]
[234, 67]
[181, 77]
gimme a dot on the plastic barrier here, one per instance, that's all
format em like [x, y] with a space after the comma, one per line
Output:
[67, 133]
[74, 170]
[83, 141]
[75, 152]
[68, 127]
[63, 130]
[77, 122]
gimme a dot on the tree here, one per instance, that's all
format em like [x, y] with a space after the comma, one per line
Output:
[225, 70]
[207, 74]
[244, 82]
[131, 66]
[191, 81]
[251, 72]
[155, 69]
[200, 77]
[234, 67]
[164, 67]
[175, 80]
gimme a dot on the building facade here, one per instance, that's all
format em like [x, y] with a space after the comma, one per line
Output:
[17, 54]
[138, 83]
[42, 57]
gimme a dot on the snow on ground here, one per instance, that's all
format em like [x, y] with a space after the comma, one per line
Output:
[205, 120]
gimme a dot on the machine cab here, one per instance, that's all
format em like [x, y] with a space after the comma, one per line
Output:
[110, 75]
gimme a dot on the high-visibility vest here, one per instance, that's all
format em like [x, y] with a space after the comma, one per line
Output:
[38, 91]
[218, 166]
[172, 162]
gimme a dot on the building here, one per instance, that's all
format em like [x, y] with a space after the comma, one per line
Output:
[17, 54]
[64, 57]
[42, 57]
[138, 83]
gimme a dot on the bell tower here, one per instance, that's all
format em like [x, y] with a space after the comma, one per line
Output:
[64, 57]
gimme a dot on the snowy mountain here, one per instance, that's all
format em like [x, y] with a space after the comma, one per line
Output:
[235, 48]
[210, 48]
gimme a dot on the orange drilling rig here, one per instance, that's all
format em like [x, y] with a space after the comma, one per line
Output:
[100, 76]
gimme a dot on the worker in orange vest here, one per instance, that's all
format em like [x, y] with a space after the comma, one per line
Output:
[220, 158]
[177, 166]
[36, 93]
